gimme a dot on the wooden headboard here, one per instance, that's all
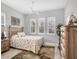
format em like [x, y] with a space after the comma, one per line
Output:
[14, 29]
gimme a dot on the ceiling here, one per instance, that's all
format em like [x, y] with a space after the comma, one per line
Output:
[24, 6]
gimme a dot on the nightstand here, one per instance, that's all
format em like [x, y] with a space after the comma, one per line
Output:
[5, 45]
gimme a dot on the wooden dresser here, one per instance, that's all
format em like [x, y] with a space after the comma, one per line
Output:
[5, 45]
[68, 42]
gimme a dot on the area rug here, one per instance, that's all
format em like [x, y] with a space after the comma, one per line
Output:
[44, 53]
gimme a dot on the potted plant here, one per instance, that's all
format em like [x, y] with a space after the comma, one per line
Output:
[58, 32]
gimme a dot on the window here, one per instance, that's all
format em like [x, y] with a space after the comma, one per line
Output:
[3, 22]
[38, 25]
[41, 25]
[51, 25]
[32, 26]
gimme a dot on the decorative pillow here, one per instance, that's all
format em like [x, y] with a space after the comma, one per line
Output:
[21, 34]
[14, 36]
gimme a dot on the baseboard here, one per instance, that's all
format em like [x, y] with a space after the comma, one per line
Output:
[50, 44]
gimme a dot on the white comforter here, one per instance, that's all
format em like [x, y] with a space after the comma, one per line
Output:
[31, 43]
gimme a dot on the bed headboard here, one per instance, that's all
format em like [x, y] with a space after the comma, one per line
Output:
[14, 29]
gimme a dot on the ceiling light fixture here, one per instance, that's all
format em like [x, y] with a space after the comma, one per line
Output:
[33, 11]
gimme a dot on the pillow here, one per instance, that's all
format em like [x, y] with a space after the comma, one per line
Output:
[21, 34]
[14, 36]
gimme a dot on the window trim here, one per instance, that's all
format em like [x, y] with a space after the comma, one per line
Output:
[54, 26]
[31, 24]
[3, 14]
[44, 26]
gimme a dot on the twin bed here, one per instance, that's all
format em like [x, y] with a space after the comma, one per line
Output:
[18, 39]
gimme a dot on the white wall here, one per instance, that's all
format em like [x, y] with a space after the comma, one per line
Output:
[11, 12]
[71, 8]
[59, 14]
[49, 39]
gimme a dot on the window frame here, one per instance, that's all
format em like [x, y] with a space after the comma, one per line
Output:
[41, 19]
[33, 19]
[54, 19]
[3, 14]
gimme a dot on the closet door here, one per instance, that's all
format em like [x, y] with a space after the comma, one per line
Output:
[72, 42]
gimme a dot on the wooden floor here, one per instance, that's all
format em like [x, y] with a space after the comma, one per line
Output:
[12, 52]
[9, 54]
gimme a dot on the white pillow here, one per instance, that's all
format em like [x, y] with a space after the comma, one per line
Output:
[14, 36]
[21, 34]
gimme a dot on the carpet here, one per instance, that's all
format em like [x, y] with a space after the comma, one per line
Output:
[44, 53]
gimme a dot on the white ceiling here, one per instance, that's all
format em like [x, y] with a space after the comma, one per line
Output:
[24, 6]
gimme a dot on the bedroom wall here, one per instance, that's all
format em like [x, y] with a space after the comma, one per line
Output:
[71, 8]
[11, 12]
[49, 39]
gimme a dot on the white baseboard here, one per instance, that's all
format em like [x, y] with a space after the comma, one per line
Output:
[50, 44]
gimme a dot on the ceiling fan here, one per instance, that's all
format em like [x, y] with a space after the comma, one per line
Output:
[33, 11]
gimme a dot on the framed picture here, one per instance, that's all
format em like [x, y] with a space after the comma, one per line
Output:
[15, 21]
[41, 25]
[33, 26]
[51, 25]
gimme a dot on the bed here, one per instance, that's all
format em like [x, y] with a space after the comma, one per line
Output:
[19, 40]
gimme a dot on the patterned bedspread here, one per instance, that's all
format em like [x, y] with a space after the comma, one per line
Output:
[31, 43]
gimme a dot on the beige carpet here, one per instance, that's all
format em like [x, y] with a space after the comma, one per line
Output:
[44, 53]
